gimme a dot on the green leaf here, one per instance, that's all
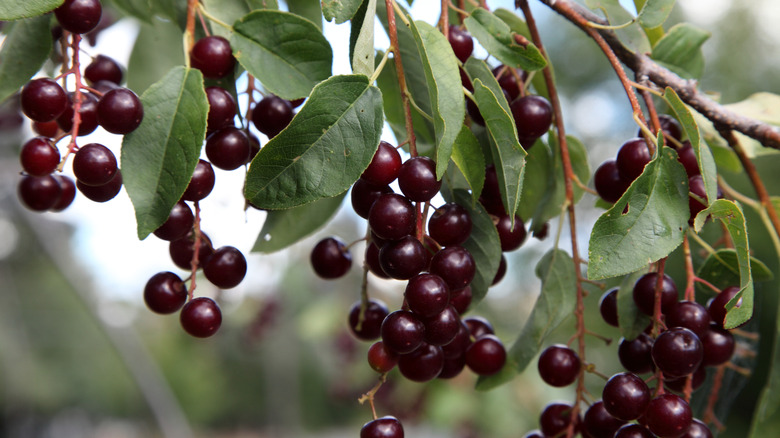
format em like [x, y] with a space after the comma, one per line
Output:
[555, 303]
[15, 9]
[721, 269]
[680, 49]
[483, 244]
[283, 228]
[445, 89]
[537, 181]
[341, 10]
[508, 155]
[326, 147]
[362, 39]
[141, 9]
[654, 225]
[309, 9]
[159, 157]
[24, 50]
[632, 36]
[655, 12]
[467, 155]
[631, 320]
[156, 51]
[497, 38]
[703, 154]
[764, 421]
[730, 214]
[478, 69]
[285, 52]
[228, 11]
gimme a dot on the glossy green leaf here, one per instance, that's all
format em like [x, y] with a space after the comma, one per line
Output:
[730, 214]
[340, 10]
[445, 89]
[283, 228]
[537, 181]
[362, 39]
[228, 11]
[483, 244]
[632, 36]
[286, 52]
[709, 171]
[326, 147]
[309, 9]
[158, 49]
[159, 157]
[680, 50]
[631, 320]
[651, 228]
[467, 156]
[655, 12]
[394, 112]
[508, 155]
[478, 69]
[15, 9]
[497, 38]
[24, 50]
[721, 269]
[555, 303]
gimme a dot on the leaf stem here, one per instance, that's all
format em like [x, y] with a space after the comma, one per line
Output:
[379, 67]
[393, 31]
[211, 17]
[195, 261]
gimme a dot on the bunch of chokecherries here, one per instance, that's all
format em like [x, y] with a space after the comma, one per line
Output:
[99, 100]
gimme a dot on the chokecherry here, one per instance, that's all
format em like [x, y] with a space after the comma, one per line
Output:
[422, 364]
[213, 56]
[608, 307]
[625, 396]
[417, 179]
[609, 184]
[39, 156]
[94, 165]
[450, 224]
[271, 115]
[384, 166]
[402, 332]
[222, 109]
[104, 193]
[559, 365]
[668, 415]
[533, 116]
[202, 182]
[178, 224]
[330, 258]
[39, 193]
[201, 317]
[165, 293]
[403, 259]
[228, 148]
[644, 293]
[677, 352]
[383, 427]
[43, 100]
[79, 16]
[369, 327]
[120, 111]
[486, 356]
[632, 157]
[455, 265]
[103, 68]
[461, 42]
[392, 216]
[226, 267]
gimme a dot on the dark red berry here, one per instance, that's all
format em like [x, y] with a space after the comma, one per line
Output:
[461, 42]
[372, 260]
[668, 415]
[633, 431]
[67, 194]
[368, 328]
[635, 355]
[459, 344]
[677, 352]
[222, 109]
[669, 125]
[599, 423]
[609, 184]
[39, 157]
[450, 225]
[479, 326]
[697, 430]
[103, 68]
[442, 328]
[687, 156]
[632, 157]
[688, 314]
[383, 427]
[510, 81]
[422, 364]
[417, 179]
[182, 251]
[88, 114]
[718, 345]
[43, 100]
[402, 332]
[559, 365]
[556, 418]
[48, 129]
[39, 193]
[625, 396]
[501, 272]
[202, 182]
[120, 111]
[228, 148]
[165, 293]
[392, 216]
[427, 295]
[677, 384]
[717, 306]
[486, 356]
[364, 194]
[103, 193]
[608, 307]
[403, 259]
[201, 317]
[533, 116]
[455, 265]
[213, 56]
[178, 224]
[384, 166]
[461, 299]
[644, 293]
[452, 367]
[330, 258]
[490, 198]
[511, 236]
[226, 267]
[94, 165]
[79, 16]
[380, 358]
[271, 115]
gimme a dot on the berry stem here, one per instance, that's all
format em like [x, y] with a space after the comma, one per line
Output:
[690, 276]
[393, 31]
[369, 396]
[658, 322]
[194, 263]
[444, 18]
[569, 186]
[192, 7]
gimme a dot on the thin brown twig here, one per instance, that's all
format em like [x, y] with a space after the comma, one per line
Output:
[393, 31]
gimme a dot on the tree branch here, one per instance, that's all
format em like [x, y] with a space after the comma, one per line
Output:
[643, 66]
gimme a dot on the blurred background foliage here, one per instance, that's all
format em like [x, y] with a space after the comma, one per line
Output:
[78, 361]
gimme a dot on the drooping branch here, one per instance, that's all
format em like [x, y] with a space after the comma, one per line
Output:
[645, 67]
